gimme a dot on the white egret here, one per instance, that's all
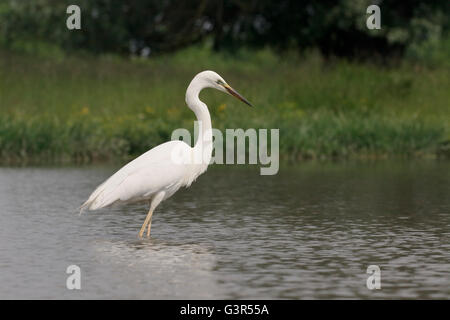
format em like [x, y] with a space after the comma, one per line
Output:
[155, 176]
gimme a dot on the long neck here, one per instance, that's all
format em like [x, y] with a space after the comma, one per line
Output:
[203, 145]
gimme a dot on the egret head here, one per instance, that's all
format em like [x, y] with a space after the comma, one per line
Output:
[212, 80]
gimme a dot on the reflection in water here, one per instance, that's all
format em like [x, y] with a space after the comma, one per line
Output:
[308, 232]
[156, 267]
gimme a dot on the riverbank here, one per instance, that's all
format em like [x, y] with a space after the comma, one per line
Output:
[92, 109]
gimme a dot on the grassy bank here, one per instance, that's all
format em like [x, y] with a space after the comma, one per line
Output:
[74, 108]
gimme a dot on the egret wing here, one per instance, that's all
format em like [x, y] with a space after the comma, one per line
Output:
[146, 175]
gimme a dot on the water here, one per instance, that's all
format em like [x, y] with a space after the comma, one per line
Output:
[308, 232]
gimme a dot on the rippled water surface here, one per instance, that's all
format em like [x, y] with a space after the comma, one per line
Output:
[309, 232]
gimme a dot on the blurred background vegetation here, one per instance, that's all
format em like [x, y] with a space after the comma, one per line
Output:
[116, 87]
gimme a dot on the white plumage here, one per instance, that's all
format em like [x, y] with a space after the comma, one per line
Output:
[160, 172]
[143, 177]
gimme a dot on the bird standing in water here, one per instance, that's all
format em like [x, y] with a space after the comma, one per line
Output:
[157, 174]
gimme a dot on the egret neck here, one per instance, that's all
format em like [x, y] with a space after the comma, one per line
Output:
[202, 150]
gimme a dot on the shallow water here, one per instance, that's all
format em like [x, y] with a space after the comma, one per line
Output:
[308, 232]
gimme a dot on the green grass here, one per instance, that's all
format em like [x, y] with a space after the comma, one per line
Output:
[83, 108]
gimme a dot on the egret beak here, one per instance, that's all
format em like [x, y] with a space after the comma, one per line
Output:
[236, 94]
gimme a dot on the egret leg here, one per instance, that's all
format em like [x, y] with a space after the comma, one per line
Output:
[149, 226]
[148, 220]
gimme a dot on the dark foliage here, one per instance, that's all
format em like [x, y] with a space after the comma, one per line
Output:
[149, 27]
